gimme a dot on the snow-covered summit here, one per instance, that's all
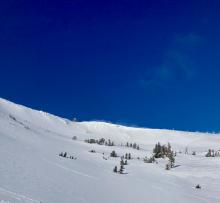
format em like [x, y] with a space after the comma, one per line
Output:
[97, 129]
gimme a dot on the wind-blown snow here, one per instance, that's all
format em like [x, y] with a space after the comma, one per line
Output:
[32, 171]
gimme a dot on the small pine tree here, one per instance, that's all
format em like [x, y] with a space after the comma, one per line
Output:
[126, 162]
[198, 186]
[217, 154]
[169, 148]
[158, 151]
[115, 170]
[62, 154]
[134, 145]
[121, 170]
[113, 154]
[65, 154]
[129, 156]
[209, 153]
[171, 159]
[167, 167]
[122, 162]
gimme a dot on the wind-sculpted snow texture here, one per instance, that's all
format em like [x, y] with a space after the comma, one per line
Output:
[31, 170]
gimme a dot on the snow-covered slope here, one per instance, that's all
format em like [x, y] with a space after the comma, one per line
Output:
[32, 171]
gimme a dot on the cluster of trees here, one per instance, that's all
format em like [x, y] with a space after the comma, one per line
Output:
[212, 153]
[149, 160]
[127, 156]
[64, 155]
[123, 163]
[100, 141]
[133, 145]
[162, 151]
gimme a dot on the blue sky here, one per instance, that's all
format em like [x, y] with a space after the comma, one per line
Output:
[145, 63]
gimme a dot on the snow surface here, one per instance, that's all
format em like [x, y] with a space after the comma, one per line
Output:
[31, 170]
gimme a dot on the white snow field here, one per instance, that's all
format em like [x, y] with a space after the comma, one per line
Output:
[31, 170]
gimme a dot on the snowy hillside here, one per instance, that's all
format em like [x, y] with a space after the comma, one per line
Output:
[31, 169]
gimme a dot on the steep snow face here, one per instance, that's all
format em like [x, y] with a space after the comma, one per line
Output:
[32, 171]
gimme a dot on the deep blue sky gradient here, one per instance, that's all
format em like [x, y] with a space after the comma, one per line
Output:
[147, 63]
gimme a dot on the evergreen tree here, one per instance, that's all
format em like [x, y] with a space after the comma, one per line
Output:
[121, 170]
[158, 151]
[171, 159]
[65, 154]
[115, 170]
[209, 153]
[168, 148]
[134, 145]
[61, 154]
[167, 167]
[113, 154]
[198, 186]
[122, 162]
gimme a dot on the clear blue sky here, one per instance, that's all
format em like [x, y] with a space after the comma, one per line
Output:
[146, 63]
